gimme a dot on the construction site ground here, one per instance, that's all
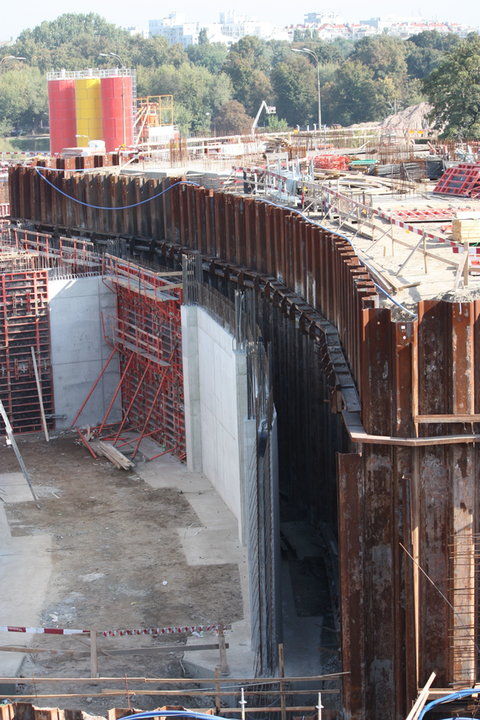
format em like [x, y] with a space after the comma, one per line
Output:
[107, 550]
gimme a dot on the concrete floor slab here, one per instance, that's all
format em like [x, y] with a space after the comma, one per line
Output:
[30, 583]
[206, 546]
[167, 472]
[25, 568]
[214, 541]
[211, 510]
[14, 488]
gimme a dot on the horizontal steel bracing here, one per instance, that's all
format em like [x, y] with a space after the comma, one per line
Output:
[399, 505]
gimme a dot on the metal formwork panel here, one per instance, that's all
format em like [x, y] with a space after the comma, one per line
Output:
[24, 324]
[148, 337]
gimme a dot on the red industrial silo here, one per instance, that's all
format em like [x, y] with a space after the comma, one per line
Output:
[62, 114]
[117, 111]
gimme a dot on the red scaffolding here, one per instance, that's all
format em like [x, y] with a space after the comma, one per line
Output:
[24, 324]
[68, 256]
[146, 335]
[27, 260]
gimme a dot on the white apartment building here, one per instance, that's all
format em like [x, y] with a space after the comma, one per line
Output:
[328, 25]
[228, 30]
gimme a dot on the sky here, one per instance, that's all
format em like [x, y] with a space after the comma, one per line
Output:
[30, 13]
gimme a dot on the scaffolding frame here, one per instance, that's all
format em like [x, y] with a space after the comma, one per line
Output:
[145, 334]
[152, 111]
[146, 337]
[67, 256]
[24, 342]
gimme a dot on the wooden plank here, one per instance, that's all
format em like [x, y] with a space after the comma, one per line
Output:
[130, 651]
[448, 418]
[421, 699]
[180, 680]
[40, 396]
[93, 654]
[460, 271]
[118, 459]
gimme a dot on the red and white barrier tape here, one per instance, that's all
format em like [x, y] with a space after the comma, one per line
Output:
[166, 630]
[37, 631]
[117, 633]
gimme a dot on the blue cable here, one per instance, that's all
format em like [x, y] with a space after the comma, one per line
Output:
[171, 713]
[121, 207]
[448, 698]
[190, 182]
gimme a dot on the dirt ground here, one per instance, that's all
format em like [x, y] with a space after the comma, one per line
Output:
[116, 563]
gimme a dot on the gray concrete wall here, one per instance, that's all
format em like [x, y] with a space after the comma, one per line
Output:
[215, 383]
[79, 350]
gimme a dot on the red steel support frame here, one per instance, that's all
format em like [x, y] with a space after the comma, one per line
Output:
[24, 324]
[92, 389]
[114, 396]
[146, 334]
[130, 405]
[149, 414]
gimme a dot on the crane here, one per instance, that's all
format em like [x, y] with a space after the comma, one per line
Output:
[269, 109]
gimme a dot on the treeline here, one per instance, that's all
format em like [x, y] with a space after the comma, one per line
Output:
[220, 90]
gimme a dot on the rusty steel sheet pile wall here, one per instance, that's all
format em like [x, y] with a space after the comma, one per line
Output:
[420, 380]
[407, 487]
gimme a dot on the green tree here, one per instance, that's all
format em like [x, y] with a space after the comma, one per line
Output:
[453, 89]
[433, 40]
[295, 85]
[231, 119]
[344, 46]
[72, 41]
[426, 50]
[326, 52]
[195, 90]
[23, 101]
[203, 37]
[209, 55]
[382, 54]
[156, 51]
[248, 64]
[276, 124]
[281, 51]
[353, 96]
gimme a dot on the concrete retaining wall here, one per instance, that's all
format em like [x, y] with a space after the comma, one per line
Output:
[215, 405]
[79, 350]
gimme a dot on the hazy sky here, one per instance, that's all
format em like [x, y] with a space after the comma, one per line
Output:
[30, 13]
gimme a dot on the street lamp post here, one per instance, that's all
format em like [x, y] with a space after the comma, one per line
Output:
[122, 66]
[307, 51]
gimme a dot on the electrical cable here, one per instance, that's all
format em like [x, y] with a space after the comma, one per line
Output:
[120, 207]
[458, 695]
[170, 713]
